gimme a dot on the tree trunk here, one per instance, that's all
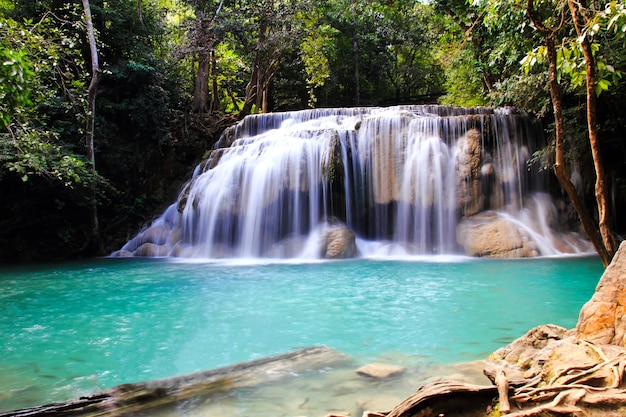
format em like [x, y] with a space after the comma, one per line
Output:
[355, 61]
[201, 87]
[215, 102]
[259, 92]
[264, 106]
[204, 43]
[601, 189]
[559, 167]
[90, 121]
[251, 92]
[253, 89]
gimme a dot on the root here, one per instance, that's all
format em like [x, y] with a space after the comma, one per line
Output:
[571, 391]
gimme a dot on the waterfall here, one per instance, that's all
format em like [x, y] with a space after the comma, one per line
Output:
[276, 185]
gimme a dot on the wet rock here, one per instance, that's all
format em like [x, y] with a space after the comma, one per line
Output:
[602, 319]
[380, 370]
[468, 169]
[488, 235]
[385, 152]
[121, 254]
[338, 242]
[152, 250]
[156, 234]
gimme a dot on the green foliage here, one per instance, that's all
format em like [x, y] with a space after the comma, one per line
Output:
[16, 72]
[525, 91]
[29, 60]
[230, 76]
[15, 75]
[570, 59]
[30, 152]
[314, 53]
[463, 83]
[571, 65]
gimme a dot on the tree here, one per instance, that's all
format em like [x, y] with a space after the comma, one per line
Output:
[464, 48]
[30, 62]
[46, 179]
[205, 39]
[272, 34]
[501, 30]
[91, 111]
[41, 175]
[580, 17]
[599, 233]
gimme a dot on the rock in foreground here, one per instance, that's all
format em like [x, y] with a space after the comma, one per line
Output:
[602, 319]
[380, 370]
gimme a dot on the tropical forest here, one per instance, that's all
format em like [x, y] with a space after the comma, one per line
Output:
[226, 207]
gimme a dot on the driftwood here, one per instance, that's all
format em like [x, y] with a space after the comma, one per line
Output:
[129, 398]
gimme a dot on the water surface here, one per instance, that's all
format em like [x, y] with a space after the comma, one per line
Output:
[76, 328]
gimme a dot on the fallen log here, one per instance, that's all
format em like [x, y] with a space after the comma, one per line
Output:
[141, 396]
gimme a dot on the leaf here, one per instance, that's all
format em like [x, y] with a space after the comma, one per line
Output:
[602, 85]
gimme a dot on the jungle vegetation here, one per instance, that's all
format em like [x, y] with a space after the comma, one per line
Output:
[106, 105]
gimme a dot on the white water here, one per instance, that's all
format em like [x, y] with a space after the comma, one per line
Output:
[391, 175]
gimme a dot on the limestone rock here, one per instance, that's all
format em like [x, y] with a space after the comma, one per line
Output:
[385, 153]
[602, 319]
[152, 250]
[338, 242]
[157, 234]
[121, 254]
[468, 167]
[488, 235]
[380, 370]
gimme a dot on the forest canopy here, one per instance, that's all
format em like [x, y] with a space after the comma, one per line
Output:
[173, 74]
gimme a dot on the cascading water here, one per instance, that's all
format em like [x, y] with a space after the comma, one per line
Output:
[400, 179]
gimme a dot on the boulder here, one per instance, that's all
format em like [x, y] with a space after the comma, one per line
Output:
[380, 370]
[337, 242]
[489, 235]
[602, 319]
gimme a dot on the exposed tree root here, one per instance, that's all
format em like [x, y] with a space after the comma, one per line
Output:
[576, 390]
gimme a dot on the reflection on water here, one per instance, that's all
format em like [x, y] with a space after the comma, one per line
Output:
[74, 329]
